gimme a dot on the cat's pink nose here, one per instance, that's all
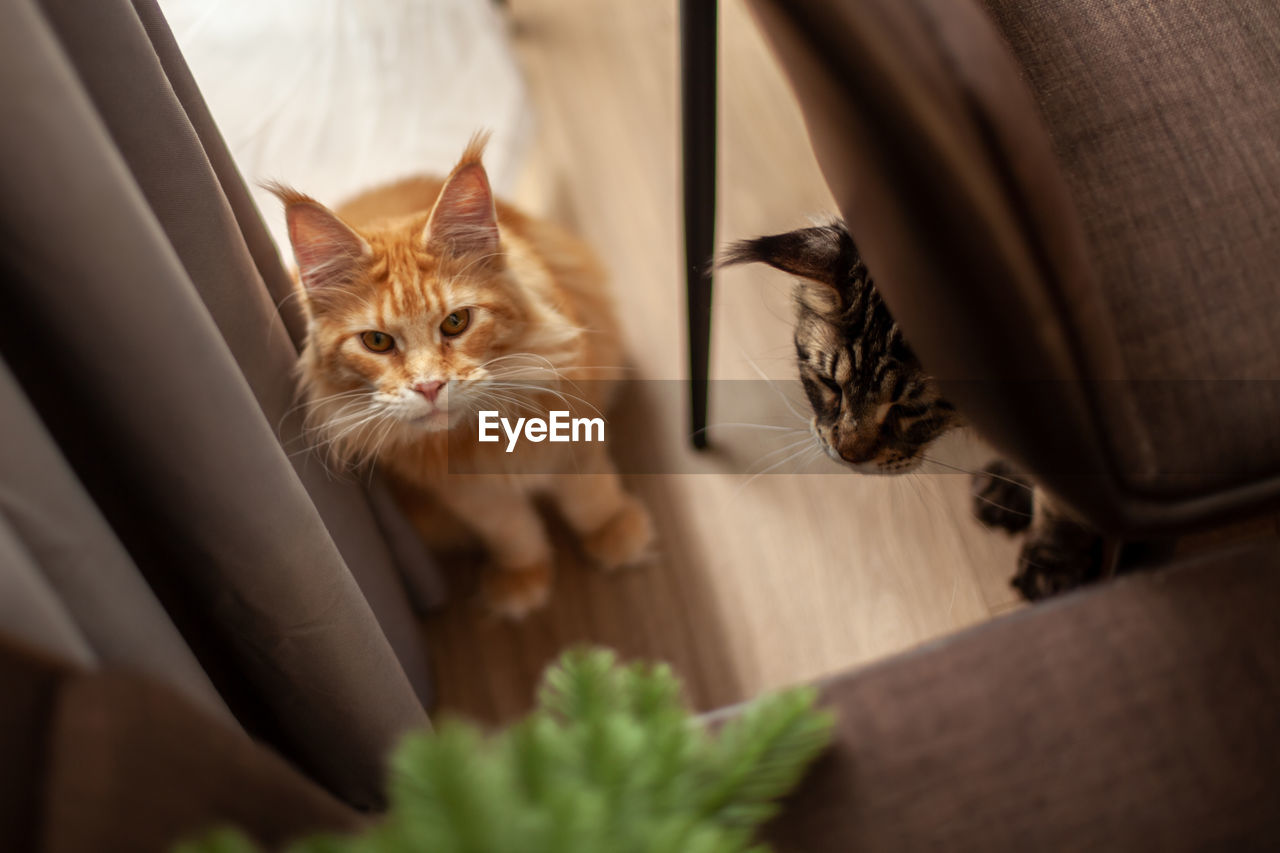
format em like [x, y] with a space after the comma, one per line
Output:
[430, 390]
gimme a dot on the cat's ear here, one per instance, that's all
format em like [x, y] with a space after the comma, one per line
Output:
[329, 253]
[823, 255]
[464, 220]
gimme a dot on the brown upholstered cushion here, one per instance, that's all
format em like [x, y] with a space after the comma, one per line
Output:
[29, 682]
[931, 137]
[1166, 121]
[110, 761]
[1137, 716]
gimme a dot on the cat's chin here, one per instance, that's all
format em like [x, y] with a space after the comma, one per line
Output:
[877, 470]
[437, 421]
[904, 467]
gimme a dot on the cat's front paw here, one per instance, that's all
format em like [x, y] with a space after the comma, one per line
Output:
[1063, 558]
[1001, 497]
[626, 539]
[514, 593]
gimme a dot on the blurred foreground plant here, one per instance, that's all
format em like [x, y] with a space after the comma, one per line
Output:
[609, 762]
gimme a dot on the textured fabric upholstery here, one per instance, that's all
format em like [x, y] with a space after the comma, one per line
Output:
[1004, 197]
[1136, 716]
[1166, 122]
[111, 761]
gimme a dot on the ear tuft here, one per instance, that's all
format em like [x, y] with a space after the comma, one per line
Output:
[824, 254]
[329, 253]
[464, 220]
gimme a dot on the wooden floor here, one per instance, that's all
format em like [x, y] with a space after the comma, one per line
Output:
[760, 582]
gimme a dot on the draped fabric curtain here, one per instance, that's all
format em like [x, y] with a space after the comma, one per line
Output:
[159, 511]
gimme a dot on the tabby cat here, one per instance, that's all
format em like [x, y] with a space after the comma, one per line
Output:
[427, 301]
[877, 411]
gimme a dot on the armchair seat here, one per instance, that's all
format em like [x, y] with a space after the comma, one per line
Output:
[1137, 716]
[1165, 120]
[1073, 208]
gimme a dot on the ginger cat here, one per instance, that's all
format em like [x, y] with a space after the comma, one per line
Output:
[428, 301]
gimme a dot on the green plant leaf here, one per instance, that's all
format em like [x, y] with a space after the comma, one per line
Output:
[582, 686]
[611, 760]
[761, 754]
[221, 840]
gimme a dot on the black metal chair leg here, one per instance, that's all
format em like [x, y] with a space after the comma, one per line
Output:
[698, 126]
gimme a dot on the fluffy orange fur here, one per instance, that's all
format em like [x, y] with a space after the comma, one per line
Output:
[412, 261]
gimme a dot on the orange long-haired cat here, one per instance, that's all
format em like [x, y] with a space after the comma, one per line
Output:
[428, 301]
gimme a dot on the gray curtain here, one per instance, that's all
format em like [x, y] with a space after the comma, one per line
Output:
[158, 509]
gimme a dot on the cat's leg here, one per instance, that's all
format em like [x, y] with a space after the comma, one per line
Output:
[1002, 497]
[614, 527]
[1060, 553]
[505, 519]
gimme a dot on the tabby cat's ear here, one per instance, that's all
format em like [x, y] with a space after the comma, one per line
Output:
[823, 255]
[464, 220]
[328, 252]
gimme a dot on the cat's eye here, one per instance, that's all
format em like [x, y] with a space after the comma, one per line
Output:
[378, 341]
[832, 384]
[456, 323]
